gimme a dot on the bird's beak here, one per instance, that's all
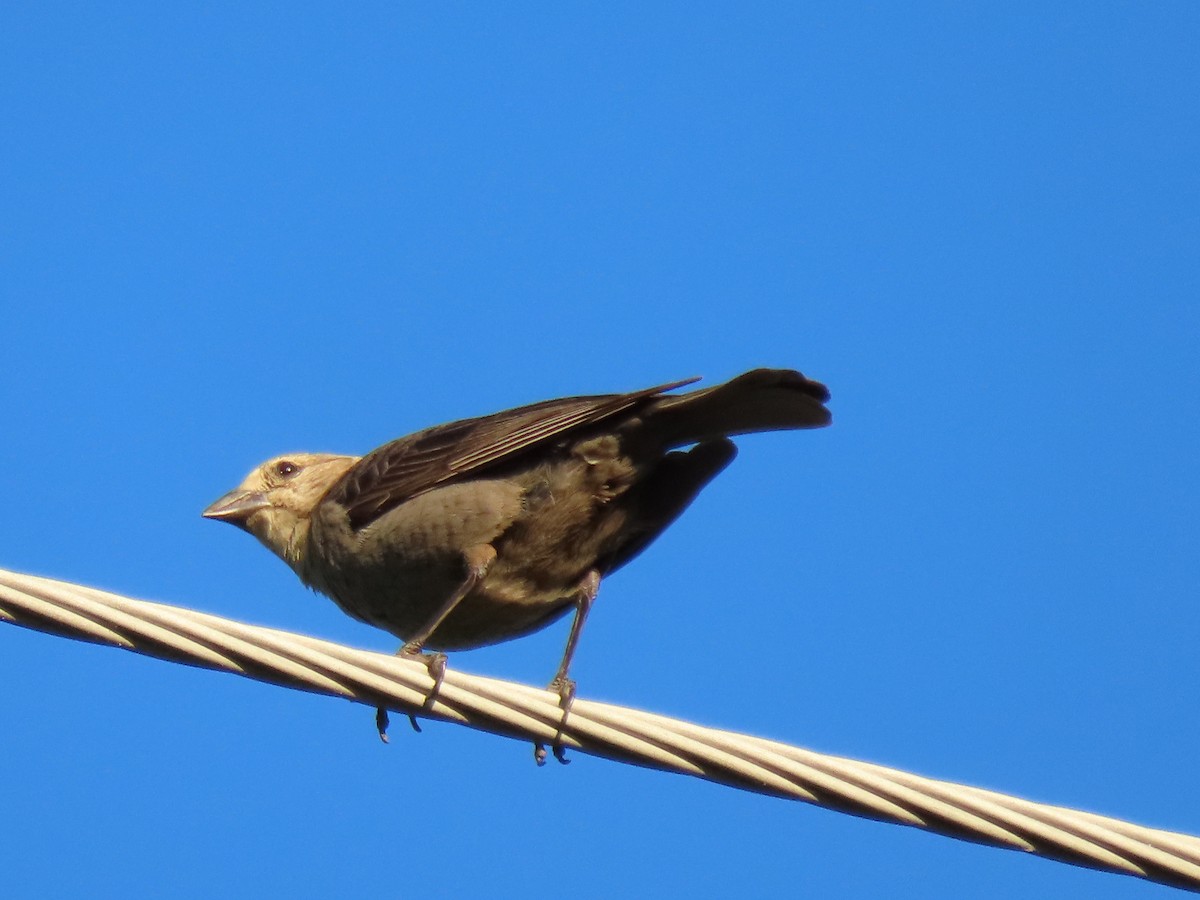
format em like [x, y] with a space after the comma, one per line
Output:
[237, 506]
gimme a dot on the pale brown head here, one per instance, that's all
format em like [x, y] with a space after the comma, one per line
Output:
[275, 501]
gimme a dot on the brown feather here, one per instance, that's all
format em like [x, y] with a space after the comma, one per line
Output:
[444, 454]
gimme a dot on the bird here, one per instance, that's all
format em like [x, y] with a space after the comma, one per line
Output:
[487, 529]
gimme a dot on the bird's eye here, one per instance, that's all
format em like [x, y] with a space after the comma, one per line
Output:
[285, 468]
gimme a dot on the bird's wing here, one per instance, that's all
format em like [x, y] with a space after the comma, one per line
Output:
[408, 466]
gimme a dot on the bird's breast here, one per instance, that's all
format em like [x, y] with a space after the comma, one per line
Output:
[548, 525]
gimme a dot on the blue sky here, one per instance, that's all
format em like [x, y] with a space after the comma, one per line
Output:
[229, 232]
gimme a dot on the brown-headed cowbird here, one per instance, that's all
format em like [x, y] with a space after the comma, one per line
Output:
[487, 529]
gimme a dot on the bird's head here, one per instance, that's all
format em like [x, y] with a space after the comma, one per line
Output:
[275, 501]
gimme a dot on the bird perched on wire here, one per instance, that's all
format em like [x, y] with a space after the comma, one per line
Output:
[487, 529]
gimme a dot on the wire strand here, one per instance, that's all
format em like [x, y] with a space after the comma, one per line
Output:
[614, 732]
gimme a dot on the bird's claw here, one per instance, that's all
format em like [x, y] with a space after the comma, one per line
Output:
[436, 663]
[565, 688]
[383, 721]
[437, 668]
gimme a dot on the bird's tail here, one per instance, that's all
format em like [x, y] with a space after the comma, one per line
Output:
[760, 400]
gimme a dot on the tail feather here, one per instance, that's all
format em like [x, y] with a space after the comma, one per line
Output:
[759, 400]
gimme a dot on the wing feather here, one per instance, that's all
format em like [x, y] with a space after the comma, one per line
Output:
[444, 454]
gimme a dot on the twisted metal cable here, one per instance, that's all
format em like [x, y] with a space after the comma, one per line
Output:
[601, 729]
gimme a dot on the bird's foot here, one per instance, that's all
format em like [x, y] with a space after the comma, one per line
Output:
[436, 663]
[559, 751]
[565, 688]
[383, 721]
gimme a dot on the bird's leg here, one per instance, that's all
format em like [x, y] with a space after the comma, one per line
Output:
[563, 684]
[477, 560]
[585, 595]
